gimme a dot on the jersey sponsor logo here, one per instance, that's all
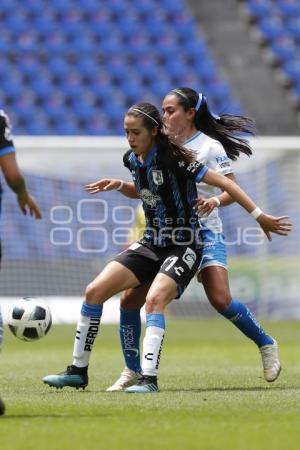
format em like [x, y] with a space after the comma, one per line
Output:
[157, 176]
[220, 159]
[159, 353]
[128, 341]
[192, 167]
[189, 257]
[224, 164]
[150, 199]
[92, 333]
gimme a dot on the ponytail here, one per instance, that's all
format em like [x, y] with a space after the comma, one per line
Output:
[227, 129]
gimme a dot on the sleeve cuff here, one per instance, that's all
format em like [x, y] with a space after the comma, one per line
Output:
[6, 150]
[201, 174]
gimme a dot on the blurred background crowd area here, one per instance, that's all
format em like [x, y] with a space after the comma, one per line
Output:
[73, 67]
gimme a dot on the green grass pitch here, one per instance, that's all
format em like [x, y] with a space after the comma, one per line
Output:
[212, 397]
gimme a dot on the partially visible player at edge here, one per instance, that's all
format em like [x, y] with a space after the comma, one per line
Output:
[168, 255]
[16, 182]
[190, 122]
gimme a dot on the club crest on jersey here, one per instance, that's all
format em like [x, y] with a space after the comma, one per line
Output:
[157, 176]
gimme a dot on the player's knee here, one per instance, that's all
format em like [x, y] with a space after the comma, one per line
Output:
[220, 300]
[154, 303]
[92, 293]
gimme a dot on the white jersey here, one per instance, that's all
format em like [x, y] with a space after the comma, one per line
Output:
[211, 153]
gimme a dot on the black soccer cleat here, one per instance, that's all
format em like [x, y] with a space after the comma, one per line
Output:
[146, 385]
[73, 376]
[2, 407]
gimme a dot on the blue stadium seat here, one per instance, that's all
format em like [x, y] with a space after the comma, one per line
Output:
[260, 8]
[293, 28]
[29, 66]
[284, 48]
[272, 28]
[58, 67]
[292, 70]
[68, 54]
[289, 8]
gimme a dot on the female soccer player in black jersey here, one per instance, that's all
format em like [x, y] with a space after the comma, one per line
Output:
[165, 176]
[16, 182]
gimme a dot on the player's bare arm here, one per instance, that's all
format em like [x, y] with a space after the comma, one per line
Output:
[109, 184]
[269, 224]
[16, 182]
[206, 205]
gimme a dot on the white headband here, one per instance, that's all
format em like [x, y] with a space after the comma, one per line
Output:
[200, 97]
[145, 114]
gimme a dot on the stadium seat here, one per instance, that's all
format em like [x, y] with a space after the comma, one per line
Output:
[289, 8]
[108, 58]
[293, 28]
[271, 28]
[260, 9]
[284, 48]
[292, 70]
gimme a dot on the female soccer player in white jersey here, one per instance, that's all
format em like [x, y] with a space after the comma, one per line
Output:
[190, 122]
[165, 176]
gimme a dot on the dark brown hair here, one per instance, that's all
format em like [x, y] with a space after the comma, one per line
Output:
[151, 119]
[227, 129]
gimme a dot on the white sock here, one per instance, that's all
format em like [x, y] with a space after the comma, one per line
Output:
[152, 346]
[86, 333]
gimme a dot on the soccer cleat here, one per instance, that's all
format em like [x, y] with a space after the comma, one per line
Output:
[127, 378]
[270, 360]
[146, 385]
[73, 376]
[2, 407]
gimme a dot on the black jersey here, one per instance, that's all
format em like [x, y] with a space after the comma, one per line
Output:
[167, 189]
[6, 142]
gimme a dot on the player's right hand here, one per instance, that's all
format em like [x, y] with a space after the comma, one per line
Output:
[28, 204]
[106, 184]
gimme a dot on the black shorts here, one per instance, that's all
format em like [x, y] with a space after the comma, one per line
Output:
[179, 262]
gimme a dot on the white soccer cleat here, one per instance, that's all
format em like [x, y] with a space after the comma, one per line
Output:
[127, 378]
[270, 361]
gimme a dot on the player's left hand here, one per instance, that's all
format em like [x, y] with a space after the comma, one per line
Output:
[105, 184]
[204, 206]
[28, 204]
[278, 225]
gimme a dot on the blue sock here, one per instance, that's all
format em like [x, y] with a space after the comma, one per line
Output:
[243, 319]
[91, 310]
[155, 320]
[130, 333]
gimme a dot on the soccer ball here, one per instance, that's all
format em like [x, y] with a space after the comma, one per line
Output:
[30, 319]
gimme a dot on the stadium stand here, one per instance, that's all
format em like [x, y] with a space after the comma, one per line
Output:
[64, 63]
[278, 27]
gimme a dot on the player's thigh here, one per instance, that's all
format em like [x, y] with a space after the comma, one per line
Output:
[135, 298]
[162, 291]
[216, 285]
[175, 273]
[114, 278]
